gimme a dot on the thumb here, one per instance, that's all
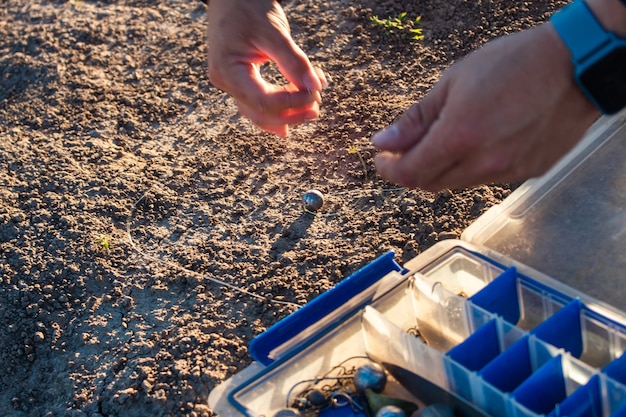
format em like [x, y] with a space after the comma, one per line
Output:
[411, 126]
[295, 66]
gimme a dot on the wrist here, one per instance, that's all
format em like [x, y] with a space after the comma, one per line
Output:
[611, 14]
[598, 49]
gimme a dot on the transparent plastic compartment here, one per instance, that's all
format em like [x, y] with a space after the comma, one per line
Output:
[535, 348]
[515, 347]
[499, 367]
[569, 223]
[490, 335]
[273, 389]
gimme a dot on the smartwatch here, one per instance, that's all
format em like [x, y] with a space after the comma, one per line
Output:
[599, 56]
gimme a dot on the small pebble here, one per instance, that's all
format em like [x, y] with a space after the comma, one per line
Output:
[39, 337]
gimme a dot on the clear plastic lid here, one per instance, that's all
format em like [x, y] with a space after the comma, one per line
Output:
[570, 224]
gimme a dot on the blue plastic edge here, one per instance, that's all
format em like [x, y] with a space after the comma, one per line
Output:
[563, 329]
[544, 389]
[261, 346]
[585, 401]
[500, 296]
[480, 348]
[616, 369]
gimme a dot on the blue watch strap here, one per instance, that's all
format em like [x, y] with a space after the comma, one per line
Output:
[580, 30]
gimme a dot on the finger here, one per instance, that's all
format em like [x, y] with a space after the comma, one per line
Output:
[413, 146]
[482, 166]
[425, 161]
[419, 167]
[292, 62]
[280, 130]
[281, 101]
[274, 100]
[412, 125]
[260, 116]
[324, 79]
[469, 174]
[307, 96]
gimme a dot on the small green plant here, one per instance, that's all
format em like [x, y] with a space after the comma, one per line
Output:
[103, 241]
[401, 25]
[354, 150]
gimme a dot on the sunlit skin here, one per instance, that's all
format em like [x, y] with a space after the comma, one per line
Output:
[242, 36]
[505, 113]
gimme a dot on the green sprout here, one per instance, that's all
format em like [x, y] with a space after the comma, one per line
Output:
[354, 150]
[401, 25]
[103, 241]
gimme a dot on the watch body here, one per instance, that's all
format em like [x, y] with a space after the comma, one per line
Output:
[599, 56]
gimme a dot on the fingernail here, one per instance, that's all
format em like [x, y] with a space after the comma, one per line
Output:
[325, 79]
[311, 83]
[385, 137]
[317, 96]
[311, 115]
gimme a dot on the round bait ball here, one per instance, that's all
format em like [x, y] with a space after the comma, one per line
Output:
[371, 376]
[287, 412]
[313, 200]
[316, 398]
[390, 411]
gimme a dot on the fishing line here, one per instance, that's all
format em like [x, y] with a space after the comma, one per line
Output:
[191, 272]
[360, 193]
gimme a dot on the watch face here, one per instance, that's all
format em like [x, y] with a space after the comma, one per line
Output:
[605, 81]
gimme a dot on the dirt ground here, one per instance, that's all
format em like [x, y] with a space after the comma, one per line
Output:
[148, 232]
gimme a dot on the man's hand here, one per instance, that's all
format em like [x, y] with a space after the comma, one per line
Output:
[505, 113]
[244, 34]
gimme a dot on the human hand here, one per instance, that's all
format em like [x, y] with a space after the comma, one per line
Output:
[505, 113]
[243, 35]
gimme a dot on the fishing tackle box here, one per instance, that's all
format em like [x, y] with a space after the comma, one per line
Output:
[523, 316]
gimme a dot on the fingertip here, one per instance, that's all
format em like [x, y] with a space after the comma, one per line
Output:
[311, 115]
[323, 77]
[390, 167]
[311, 82]
[382, 164]
[386, 138]
[283, 131]
[278, 130]
[317, 97]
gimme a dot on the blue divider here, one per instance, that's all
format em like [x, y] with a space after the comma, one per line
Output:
[544, 389]
[563, 329]
[617, 369]
[479, 348]
[620, 413]
[584, 402]
[261, 347]
[511, 368]
[615, 396]
[500, 296]
[469, 357]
